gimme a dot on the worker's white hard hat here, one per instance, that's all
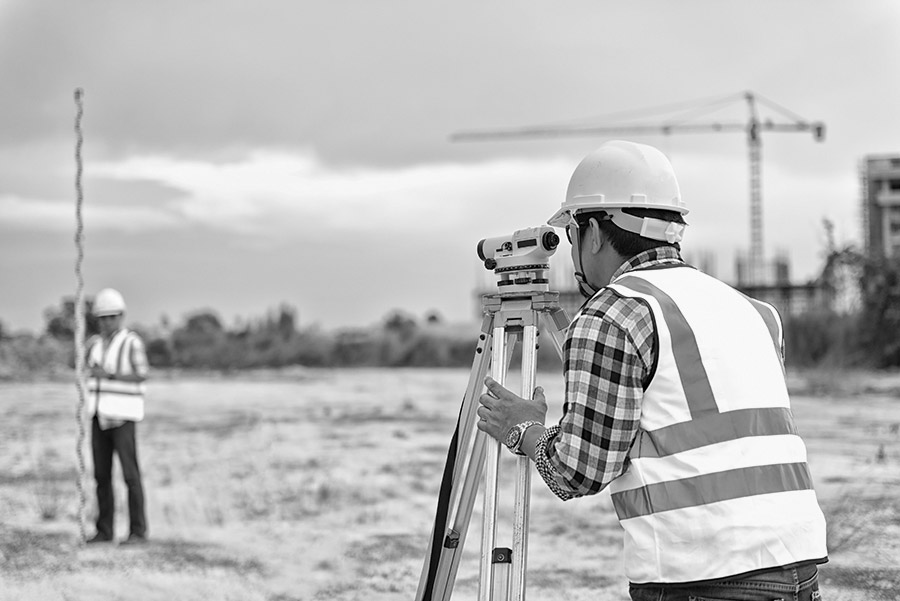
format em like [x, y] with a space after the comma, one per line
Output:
[620, 175]
[108, 302]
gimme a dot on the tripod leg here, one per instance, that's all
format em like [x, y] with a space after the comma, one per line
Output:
[473, 474]
[489, 576]
[502, 570]
[457, 497]
[455, 502]
[523, 471]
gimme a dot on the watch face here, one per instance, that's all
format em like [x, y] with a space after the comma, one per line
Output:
[513, 437]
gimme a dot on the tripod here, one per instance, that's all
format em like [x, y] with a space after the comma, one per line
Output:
[509, 318]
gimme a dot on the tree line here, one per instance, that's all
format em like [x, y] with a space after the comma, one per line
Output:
[860, 333]
[203, 341]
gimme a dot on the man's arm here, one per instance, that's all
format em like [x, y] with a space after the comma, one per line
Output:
[606, 366]
[604, 387]
[589, 447]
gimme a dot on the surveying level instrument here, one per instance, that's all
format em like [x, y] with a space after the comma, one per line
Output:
[522, 263]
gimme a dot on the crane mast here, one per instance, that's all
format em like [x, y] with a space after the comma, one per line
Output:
[754, 147]
[753, 127]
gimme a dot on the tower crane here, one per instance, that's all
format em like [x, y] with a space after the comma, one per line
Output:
[682, 123]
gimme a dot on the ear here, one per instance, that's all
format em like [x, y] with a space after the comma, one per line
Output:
[595, 236]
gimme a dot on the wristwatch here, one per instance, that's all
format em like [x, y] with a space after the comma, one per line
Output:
[516, 435]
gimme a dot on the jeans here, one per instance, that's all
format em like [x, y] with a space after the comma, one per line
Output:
[104, 443]
[781, 584]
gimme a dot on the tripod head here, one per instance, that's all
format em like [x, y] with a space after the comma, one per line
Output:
[521, 260]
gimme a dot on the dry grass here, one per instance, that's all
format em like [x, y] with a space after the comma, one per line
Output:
[312, 485]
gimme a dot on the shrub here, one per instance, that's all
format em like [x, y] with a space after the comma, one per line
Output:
[822, 338]
[22, 356]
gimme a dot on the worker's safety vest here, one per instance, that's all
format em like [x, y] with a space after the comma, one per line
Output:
[717, 482]
[115, 399]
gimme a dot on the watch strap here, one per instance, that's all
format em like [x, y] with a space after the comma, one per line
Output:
[516, 449]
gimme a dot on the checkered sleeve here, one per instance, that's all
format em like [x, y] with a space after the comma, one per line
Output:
[609, 354]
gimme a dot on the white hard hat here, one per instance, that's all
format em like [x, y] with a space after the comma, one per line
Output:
[623, 174]
[108, 302]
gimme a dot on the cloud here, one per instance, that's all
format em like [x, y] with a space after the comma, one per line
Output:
[271, 193]
[53, 215]
[270, 197]
[275, 195]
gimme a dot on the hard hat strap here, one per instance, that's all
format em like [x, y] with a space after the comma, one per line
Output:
[584, 287]
[648, 227]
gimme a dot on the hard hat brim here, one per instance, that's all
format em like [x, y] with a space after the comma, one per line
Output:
[561, 218]
[565, 215]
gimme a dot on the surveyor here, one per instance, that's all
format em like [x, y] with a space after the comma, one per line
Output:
[117, 364]
[675, 398]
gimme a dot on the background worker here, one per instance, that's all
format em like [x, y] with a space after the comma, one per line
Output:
[675, 398]
[118, 367]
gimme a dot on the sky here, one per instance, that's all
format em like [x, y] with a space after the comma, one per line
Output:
[238, 156]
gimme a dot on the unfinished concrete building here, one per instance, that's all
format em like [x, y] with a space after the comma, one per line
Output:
[880, 181]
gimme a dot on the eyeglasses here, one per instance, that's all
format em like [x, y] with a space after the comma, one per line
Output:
[569, 229]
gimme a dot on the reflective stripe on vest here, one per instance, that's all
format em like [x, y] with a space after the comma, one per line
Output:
[712, 488]
[717, 482]
[713, 428]
[115, 399]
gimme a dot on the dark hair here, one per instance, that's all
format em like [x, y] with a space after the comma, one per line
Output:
[629, 244]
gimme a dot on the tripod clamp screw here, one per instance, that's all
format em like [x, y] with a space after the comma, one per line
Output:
[501, 555]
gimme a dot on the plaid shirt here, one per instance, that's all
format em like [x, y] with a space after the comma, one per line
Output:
[610, 352]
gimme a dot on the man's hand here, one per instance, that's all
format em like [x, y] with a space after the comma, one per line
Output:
[500, 409]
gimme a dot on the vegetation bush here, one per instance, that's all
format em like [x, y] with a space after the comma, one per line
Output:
[861, 332]
[880, 312]
[25, 355]
[822, 339]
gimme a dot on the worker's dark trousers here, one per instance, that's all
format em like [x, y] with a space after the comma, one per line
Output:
[120, 440]
[799, 583]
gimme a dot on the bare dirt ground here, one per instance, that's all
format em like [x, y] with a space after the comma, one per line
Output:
[322, 485]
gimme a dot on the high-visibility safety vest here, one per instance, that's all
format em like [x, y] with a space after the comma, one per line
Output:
[718, 482]
[115, 399]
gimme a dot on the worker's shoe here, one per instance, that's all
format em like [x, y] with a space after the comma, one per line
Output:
[99, 538]
[134, 539]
